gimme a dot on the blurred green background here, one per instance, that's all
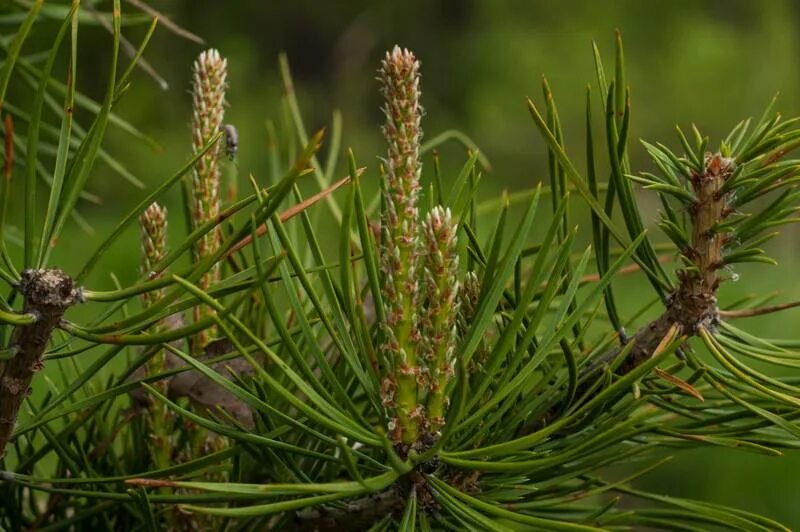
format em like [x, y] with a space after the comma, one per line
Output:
[712, 63]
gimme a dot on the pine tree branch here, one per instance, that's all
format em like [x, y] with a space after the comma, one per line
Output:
[693, 305]
[48, 293]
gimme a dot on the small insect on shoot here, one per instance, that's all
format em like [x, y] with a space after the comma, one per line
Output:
[231, 141]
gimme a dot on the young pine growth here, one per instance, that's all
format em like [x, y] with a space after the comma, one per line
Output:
[420, 266]
[209, 83]
[153, 234]
[437, 330]
[399, 78]
[158, 419]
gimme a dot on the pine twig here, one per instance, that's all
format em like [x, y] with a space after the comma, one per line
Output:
[48, 293]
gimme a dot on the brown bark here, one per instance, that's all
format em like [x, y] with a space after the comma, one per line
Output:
[47, 294]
